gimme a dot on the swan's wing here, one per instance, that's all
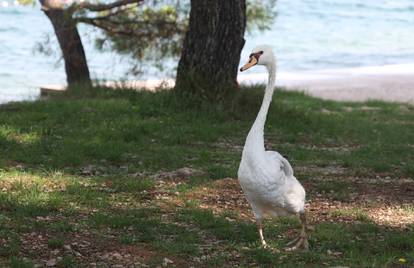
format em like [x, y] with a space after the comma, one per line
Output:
[284, 163]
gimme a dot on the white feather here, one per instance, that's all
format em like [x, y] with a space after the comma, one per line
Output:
[266, 177]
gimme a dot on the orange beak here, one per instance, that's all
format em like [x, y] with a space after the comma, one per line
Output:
[252, 62]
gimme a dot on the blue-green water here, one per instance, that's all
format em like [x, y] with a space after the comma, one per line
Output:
[307, 35]
[321, 34]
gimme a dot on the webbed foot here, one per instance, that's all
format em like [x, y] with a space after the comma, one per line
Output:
[300, 243]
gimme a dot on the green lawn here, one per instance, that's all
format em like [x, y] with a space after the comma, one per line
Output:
[84, 181]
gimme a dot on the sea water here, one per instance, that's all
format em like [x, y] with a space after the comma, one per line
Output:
[307, 35]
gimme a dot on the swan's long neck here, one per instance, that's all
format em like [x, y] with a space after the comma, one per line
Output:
[255, 138]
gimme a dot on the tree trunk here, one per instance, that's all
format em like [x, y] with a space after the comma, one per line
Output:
[211, 50]
[76, 66]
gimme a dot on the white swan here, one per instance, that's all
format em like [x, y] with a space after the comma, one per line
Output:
[266, 177]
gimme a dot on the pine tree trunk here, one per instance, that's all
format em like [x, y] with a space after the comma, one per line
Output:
[212, 47]
[76, 66]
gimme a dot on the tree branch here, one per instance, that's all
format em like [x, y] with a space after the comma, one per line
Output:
[101, 17]
[103, 7]
[106, 28]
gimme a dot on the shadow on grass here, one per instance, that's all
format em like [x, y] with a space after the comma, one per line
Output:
[79, 157]
[127, 132]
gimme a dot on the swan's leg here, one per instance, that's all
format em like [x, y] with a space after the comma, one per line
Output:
[303, 233]
[293, 242]
[260, 229]
[302, 240]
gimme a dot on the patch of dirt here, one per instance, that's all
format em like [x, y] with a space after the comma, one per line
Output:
[229, 146]
[222, 196]
[92, 250]
[327, 170]
[388, 203]
[332, 148]
[181, 173]
[383, 200]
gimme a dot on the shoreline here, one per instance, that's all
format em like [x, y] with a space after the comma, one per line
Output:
[394, 83]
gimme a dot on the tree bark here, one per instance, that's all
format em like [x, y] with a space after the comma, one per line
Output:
[211, 50]
[76, 66]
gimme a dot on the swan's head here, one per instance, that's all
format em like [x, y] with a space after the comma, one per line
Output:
[261, 55]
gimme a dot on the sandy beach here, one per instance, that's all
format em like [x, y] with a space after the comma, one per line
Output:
[388, 83]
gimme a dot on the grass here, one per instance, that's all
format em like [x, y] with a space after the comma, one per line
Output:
[338, 190]
[355, 213]
[77, 178]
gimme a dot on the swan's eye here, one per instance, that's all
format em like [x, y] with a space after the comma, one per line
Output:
[256, 55]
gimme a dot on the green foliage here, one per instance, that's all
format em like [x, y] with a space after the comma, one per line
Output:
[55, 243]
[260, 14]
[153, 32]
[20, 263]
[149, 33]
